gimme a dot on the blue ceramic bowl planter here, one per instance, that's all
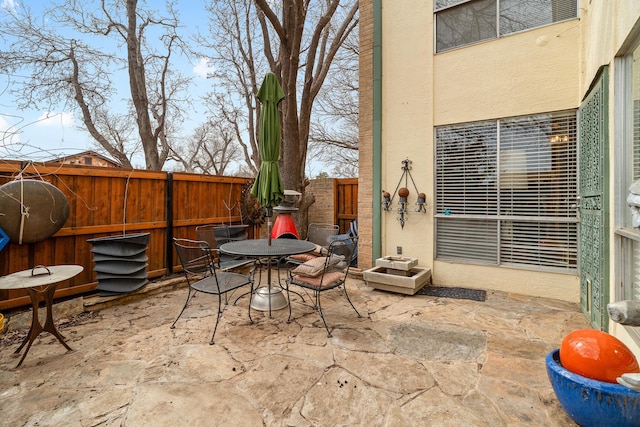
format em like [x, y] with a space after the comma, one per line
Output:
[592, 403]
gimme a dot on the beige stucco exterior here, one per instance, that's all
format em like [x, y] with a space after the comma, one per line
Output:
[526, 73]
[407, 129]
[545, 69]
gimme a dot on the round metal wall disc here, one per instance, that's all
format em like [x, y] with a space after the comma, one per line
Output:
[45, 208]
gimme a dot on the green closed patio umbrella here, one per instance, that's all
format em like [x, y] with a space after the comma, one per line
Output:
[268, 187]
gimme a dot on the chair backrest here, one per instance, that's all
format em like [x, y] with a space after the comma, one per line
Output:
[320, 234]
[207, 234]
[346, 249]
[229, 233]
[195, 257]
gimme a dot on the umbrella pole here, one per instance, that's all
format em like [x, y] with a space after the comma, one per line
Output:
[269, 215]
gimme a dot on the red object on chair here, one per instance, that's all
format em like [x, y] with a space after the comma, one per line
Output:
[284, 227]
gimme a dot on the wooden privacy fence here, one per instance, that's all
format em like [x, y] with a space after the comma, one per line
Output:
[346, 202]
[108, 201]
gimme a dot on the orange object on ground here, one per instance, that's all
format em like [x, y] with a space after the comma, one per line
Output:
[596, 355]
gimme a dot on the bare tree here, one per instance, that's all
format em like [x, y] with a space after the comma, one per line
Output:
[64, 67]
[307, 40]
[234, 46]
[210, 151]
[298, 41]
[334, 127]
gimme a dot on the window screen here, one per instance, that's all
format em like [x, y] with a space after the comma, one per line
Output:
[520, 15]
[460, 23]
[465, 24]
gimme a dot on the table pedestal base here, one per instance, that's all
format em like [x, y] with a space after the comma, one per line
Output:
[268, 298]
[36, 295]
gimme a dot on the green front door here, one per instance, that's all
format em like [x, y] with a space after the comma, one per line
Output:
[593, 242]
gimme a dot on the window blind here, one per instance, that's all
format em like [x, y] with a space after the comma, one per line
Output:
[506, 191]
[466, 169]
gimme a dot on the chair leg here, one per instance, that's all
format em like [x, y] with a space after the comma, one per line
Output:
[319, 308]
[173, 325]
[250, 301]
[344, 288]
[244, 294]
[288, 300]
[219, 315]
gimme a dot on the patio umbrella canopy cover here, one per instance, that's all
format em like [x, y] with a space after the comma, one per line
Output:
[268, 187]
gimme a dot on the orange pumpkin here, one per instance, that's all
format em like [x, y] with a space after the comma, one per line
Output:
[596, 355]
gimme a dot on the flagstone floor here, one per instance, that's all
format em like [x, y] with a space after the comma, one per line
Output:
[409, 361]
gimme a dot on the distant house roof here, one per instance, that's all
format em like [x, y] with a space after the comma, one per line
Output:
[86, 158]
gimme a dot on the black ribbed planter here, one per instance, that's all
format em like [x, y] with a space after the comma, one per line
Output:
[120, 262]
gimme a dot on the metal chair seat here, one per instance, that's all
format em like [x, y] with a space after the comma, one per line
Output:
[201, 273]
[221, 283]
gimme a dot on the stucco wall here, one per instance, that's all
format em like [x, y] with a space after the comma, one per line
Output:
[527, 73]
[532, 72]
[545, 69]
[606, 26]
[407, 99]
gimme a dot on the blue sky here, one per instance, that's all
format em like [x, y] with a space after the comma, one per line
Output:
[43, 134]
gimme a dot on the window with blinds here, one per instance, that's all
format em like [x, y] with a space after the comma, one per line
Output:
[506, 191]
[463, 22]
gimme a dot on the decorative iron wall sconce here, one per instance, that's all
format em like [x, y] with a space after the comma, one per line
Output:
[403, 194]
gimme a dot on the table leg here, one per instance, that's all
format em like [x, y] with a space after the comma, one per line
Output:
[36, 295]
[269, 284]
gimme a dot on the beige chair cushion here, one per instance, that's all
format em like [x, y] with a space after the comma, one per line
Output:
[328, 279]
[311, 268]
[320, 251]
[304, 257]
[314, 267]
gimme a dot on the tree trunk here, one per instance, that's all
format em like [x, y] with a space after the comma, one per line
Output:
[138, 84]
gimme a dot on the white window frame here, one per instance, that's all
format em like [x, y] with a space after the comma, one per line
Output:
[463, 226]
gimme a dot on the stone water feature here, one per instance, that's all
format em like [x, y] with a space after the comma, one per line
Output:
[397, 274]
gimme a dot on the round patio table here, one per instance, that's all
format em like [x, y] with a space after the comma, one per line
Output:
[40, 283]
[260, 248]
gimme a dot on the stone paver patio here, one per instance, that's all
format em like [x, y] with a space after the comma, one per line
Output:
[410, 361]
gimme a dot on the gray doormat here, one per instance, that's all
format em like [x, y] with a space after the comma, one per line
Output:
[451, 292]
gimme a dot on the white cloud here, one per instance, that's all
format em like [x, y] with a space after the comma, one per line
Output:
[50, 118]
[8, 5]
[204, 68]
[9, 133]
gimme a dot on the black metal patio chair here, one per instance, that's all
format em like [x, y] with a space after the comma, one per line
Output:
[223, 262]
[320, 233]
[325, 273]
[203, 276]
